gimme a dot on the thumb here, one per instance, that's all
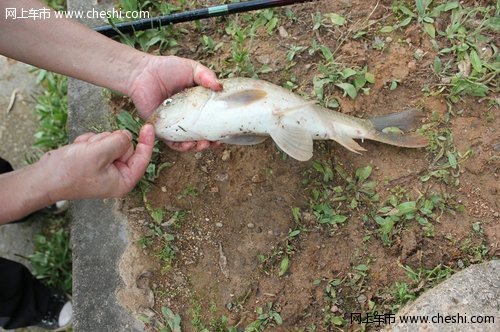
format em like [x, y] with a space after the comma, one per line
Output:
[205, 77]
[112, 147]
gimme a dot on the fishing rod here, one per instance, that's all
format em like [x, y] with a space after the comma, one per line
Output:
[191, 15]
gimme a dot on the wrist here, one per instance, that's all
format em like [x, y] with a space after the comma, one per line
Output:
[139, 68]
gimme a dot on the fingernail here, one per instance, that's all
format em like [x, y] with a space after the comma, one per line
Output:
[128, 133]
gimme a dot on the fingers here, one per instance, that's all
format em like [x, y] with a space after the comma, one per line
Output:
[191, 146]
[136, 165]
[205, 77]
[111, 146]
[83, 138]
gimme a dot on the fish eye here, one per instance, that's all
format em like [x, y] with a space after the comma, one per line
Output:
[167, 102]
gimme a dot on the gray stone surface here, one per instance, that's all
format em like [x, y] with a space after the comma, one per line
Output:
[474, 291]
[99, 233]
[16, 134]
[18, 126]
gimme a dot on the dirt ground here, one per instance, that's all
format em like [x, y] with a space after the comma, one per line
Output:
[234, 203]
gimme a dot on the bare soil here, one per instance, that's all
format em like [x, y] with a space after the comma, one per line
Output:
[238, 200]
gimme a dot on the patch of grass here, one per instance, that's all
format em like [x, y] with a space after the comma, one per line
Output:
[446, 160]
[168, 321]
[338, 193]
[51, 259]
[350, 80]
[284, 250]
[267, 317]
[154, 40]
[426, 210]
[52, 111]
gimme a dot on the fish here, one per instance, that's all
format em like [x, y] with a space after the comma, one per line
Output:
[248, 111]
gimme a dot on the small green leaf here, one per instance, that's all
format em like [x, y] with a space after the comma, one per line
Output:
[387, 29]
[284, 266]
[363, 173]
[452, 160]
[421, 5]
[476, 61]
[294, 233]
[348, 89]
[361, 267]
[336, 18]
[370, 78]
[430, 30]
[347, 72]
[405, 208]
[438, 65]
[337, 320]
[394, 85]
[277, 318]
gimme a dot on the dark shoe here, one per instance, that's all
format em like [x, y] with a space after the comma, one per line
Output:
[59, 313]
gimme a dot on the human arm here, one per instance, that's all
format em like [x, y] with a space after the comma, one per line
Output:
[70, 48]
[94, 166]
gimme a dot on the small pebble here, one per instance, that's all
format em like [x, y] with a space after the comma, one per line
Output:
[218, 224]
[264, 59]
[460, 264]
[388, 39]
[164, 189]
[226, 154]
[282, 31]
[258, 178]
[198, 155]
[496, 214]
[362, 298]
[270, 232]
[250, 225]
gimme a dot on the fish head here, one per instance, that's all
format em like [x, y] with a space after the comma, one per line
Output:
[179, 111]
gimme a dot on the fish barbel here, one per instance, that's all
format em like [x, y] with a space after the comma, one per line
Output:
[248, 111]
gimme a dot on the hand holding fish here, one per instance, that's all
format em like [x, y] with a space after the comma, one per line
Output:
[160, 77]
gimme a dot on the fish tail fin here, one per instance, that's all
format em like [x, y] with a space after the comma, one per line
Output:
[405, 120]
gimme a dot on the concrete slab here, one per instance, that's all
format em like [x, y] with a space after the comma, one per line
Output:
[471, 294]
[16, 134]
[99, 233]
[17, 127]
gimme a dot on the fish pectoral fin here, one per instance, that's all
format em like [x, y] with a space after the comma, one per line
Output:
[349, 144]
[294, 141]
[243, 97]
[244, 139]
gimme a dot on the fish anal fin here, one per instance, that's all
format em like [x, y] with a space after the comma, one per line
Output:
[349, 144]
[244, 139]
[294, 141]
[243, 97]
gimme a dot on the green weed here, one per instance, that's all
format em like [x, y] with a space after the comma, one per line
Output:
[51, 259]
[166, 322]
[52, 111]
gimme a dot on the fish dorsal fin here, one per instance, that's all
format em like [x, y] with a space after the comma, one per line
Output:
[244, 97]
[281, 112]
[294, 141]
[349, 144]
[244, 140]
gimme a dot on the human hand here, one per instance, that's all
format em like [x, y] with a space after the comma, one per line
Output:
[98, 165]
[160, 77]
